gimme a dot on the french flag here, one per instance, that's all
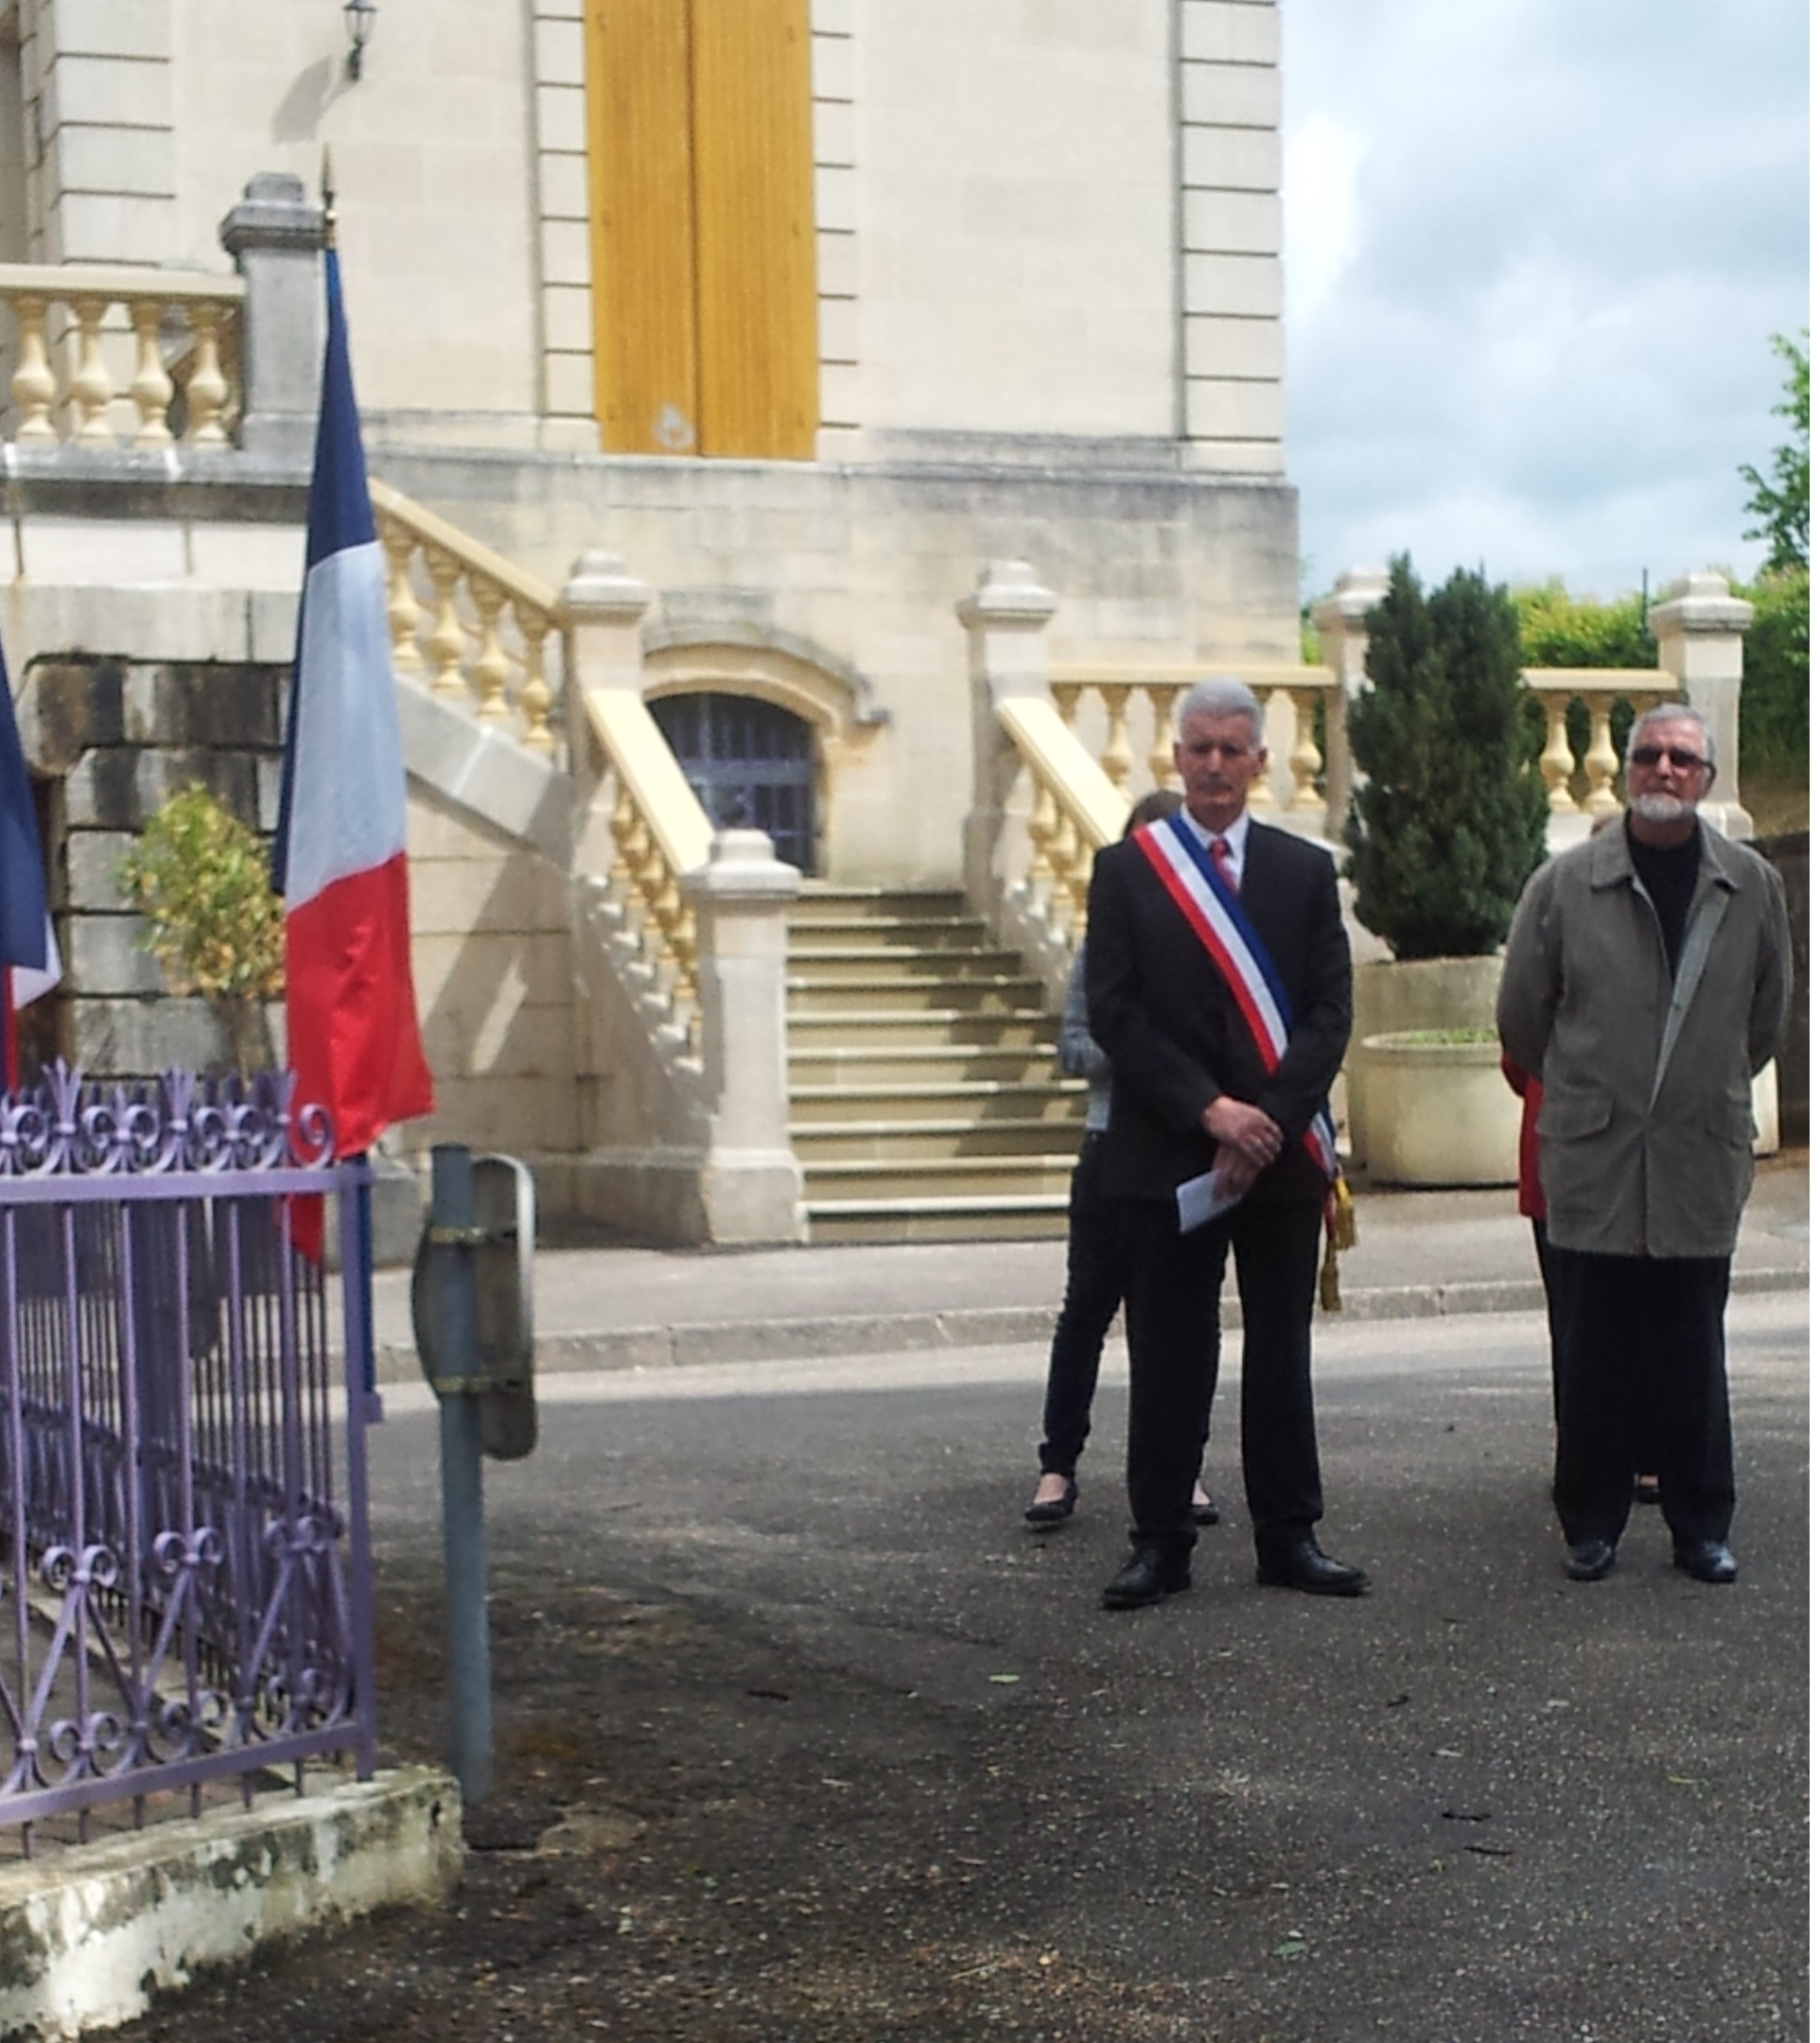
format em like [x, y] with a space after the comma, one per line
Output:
[339, 857]
[29, 966]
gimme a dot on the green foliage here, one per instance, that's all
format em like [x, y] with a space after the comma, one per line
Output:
[1449, 823]
[1779, 504]
[1773, 706]
[202, 881]
[1558, 630]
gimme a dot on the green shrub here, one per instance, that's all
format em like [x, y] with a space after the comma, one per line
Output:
[1450, 822]
[1774, 706]
[202, 881]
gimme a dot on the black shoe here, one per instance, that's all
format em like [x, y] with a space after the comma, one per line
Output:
[1706, 1560]
[1648, 1489]
[1303, 1565]
[1590, 1559]
[1147, 1577]
[1204, 1514]
[1041, 1515]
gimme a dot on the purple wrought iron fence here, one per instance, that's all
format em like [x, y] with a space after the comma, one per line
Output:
[185, 1580]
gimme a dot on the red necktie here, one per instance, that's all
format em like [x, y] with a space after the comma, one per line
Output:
[1223, 862]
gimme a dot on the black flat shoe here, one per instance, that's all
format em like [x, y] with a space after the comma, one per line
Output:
[1648, 1489]
[1204, 1514]
[1147, 1577]
[1303, 1565]
[1591, 1560]
[1054, 1512]
[1707, 1560]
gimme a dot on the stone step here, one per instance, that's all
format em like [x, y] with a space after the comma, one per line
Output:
[822, 1031]
[957, 1104]
[1038, 1216]
[818, 902]
[909, 993]
[955, 1180]
[824, 965]
[889, 935]
[935, 1061]
[837, 1145]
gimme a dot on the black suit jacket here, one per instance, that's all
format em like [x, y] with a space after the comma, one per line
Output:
[1160, 1010]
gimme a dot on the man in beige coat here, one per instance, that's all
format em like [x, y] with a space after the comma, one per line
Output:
[1647, 982]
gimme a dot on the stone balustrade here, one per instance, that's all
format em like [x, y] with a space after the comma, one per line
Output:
[1586, 785]
[660, 832]
[471, 624]
[106, 356]
[1071, 812]
[1143, 700]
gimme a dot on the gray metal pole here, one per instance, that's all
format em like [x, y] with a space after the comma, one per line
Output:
[470, 1678]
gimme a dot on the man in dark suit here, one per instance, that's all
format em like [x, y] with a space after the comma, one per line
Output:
[1194, 1088]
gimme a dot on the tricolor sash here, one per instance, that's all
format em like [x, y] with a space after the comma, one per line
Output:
[1211, 908]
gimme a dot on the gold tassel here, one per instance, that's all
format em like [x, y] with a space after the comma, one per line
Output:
[1342, 1232]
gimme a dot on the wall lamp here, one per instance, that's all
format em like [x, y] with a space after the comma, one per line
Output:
[360, 15]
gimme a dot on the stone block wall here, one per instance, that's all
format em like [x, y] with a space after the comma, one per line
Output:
[117, 738]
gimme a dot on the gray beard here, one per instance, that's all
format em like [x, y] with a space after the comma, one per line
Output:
[1663, 808]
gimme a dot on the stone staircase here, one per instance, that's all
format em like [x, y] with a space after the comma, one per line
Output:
[925, 1100]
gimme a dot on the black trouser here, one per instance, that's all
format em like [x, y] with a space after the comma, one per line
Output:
[1643, 1379]
[1096, 1285]
[1172, 1329]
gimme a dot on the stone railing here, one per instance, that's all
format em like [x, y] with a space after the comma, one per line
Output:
[105, 357]
[1585, 785]
[1071, 812]
[471, 624]
[659, 833]
[1144, 699]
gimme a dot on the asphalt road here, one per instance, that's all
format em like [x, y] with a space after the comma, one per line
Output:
[1484, 1803]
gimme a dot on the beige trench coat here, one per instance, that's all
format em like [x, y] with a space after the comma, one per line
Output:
[1637, 1160]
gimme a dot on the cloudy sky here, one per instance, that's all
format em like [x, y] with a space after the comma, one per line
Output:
[1534, 250]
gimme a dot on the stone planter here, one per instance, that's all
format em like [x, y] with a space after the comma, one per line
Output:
[1440, 1111]
[1390, 996]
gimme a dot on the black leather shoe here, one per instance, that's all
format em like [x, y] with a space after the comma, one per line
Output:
[1204, 1514]
[1147, 1577]
[1303, 1565]
[1590, 1559]
[1706, 1560]
[1052, 1514]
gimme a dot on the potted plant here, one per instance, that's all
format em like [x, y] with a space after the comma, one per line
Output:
[1448, 821]
[202, 881]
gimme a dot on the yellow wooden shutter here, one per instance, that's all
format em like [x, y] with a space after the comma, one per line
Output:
[755, 228]
[640, 159]
[701, 167]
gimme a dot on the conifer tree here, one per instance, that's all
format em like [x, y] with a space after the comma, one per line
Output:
[1449, 819]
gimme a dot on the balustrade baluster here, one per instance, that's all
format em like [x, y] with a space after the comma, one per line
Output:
[1263, 794]
[90, 388]
[207, 387]
[1063, 846]
[1601, 759]
[1161, 761]
[448, 638]
[1067, 695]
[1304, 759]
[1041, 829]
[491, 666]
[533, 695]
[151, 388]
[34, 386]
[1115, 762]
[1557, 755]
[403, 611]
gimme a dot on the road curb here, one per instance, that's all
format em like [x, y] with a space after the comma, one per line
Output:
[691, 1344]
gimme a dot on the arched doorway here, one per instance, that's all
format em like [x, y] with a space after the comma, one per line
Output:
[751, 764]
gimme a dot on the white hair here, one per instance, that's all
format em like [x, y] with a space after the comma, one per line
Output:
[1673, 712]
[1221, 695]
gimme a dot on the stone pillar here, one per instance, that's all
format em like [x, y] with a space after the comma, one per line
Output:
[1700, 629]
[1339, 618]
[601, 609]
[1007, 657]
[275, 235]
[751, 1181]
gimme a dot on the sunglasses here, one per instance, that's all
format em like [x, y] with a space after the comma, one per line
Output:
[1677, 756]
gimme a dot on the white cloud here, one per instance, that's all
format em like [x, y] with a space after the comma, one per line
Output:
[1535, 249]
